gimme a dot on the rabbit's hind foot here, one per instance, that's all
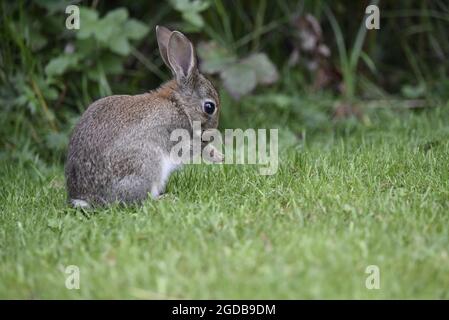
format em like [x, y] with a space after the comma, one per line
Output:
[81, 204]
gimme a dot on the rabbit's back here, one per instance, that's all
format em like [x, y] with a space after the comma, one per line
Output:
[117, 140]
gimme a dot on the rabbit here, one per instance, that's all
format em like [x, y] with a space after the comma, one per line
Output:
[120, 149]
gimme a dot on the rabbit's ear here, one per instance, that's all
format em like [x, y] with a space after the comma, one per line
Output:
[181, 56]
[163, 35]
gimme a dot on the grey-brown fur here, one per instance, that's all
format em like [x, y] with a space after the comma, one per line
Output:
[116, 148]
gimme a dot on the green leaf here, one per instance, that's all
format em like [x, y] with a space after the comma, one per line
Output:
[214, 58]
[120, 46]
[239, 80]
[110, 28]
[134, 29]
[191, 10]
[199, 5]
[194, 18]
[60, 64]
[88, 23]
[266, 72]
[117, 16]
[413, 92]
[113, 31]
[190, 5]
[106, 31]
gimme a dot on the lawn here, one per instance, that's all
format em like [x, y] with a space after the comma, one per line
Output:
[341, 201]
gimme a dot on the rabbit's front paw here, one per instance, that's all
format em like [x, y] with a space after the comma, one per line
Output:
[213, 154]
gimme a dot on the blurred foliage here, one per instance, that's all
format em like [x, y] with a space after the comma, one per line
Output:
[278, 63]
[239, 76]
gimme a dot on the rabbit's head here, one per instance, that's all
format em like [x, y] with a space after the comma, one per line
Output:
[193, 92]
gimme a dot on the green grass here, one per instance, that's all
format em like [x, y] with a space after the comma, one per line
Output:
[340, 201]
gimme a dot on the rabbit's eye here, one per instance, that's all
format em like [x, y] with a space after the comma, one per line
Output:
[209, 107]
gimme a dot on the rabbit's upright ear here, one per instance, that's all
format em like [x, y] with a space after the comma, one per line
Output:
[181, 57]
[163, 35]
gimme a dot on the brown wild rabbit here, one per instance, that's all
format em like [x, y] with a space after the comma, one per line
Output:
[119, 150]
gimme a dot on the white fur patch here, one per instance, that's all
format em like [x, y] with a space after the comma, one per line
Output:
[77, 203]
[155, 192]
[168, 167]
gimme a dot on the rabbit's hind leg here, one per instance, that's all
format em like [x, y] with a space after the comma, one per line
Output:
[148, 177]
[81, 204]
[157, 191]
[130, 189]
